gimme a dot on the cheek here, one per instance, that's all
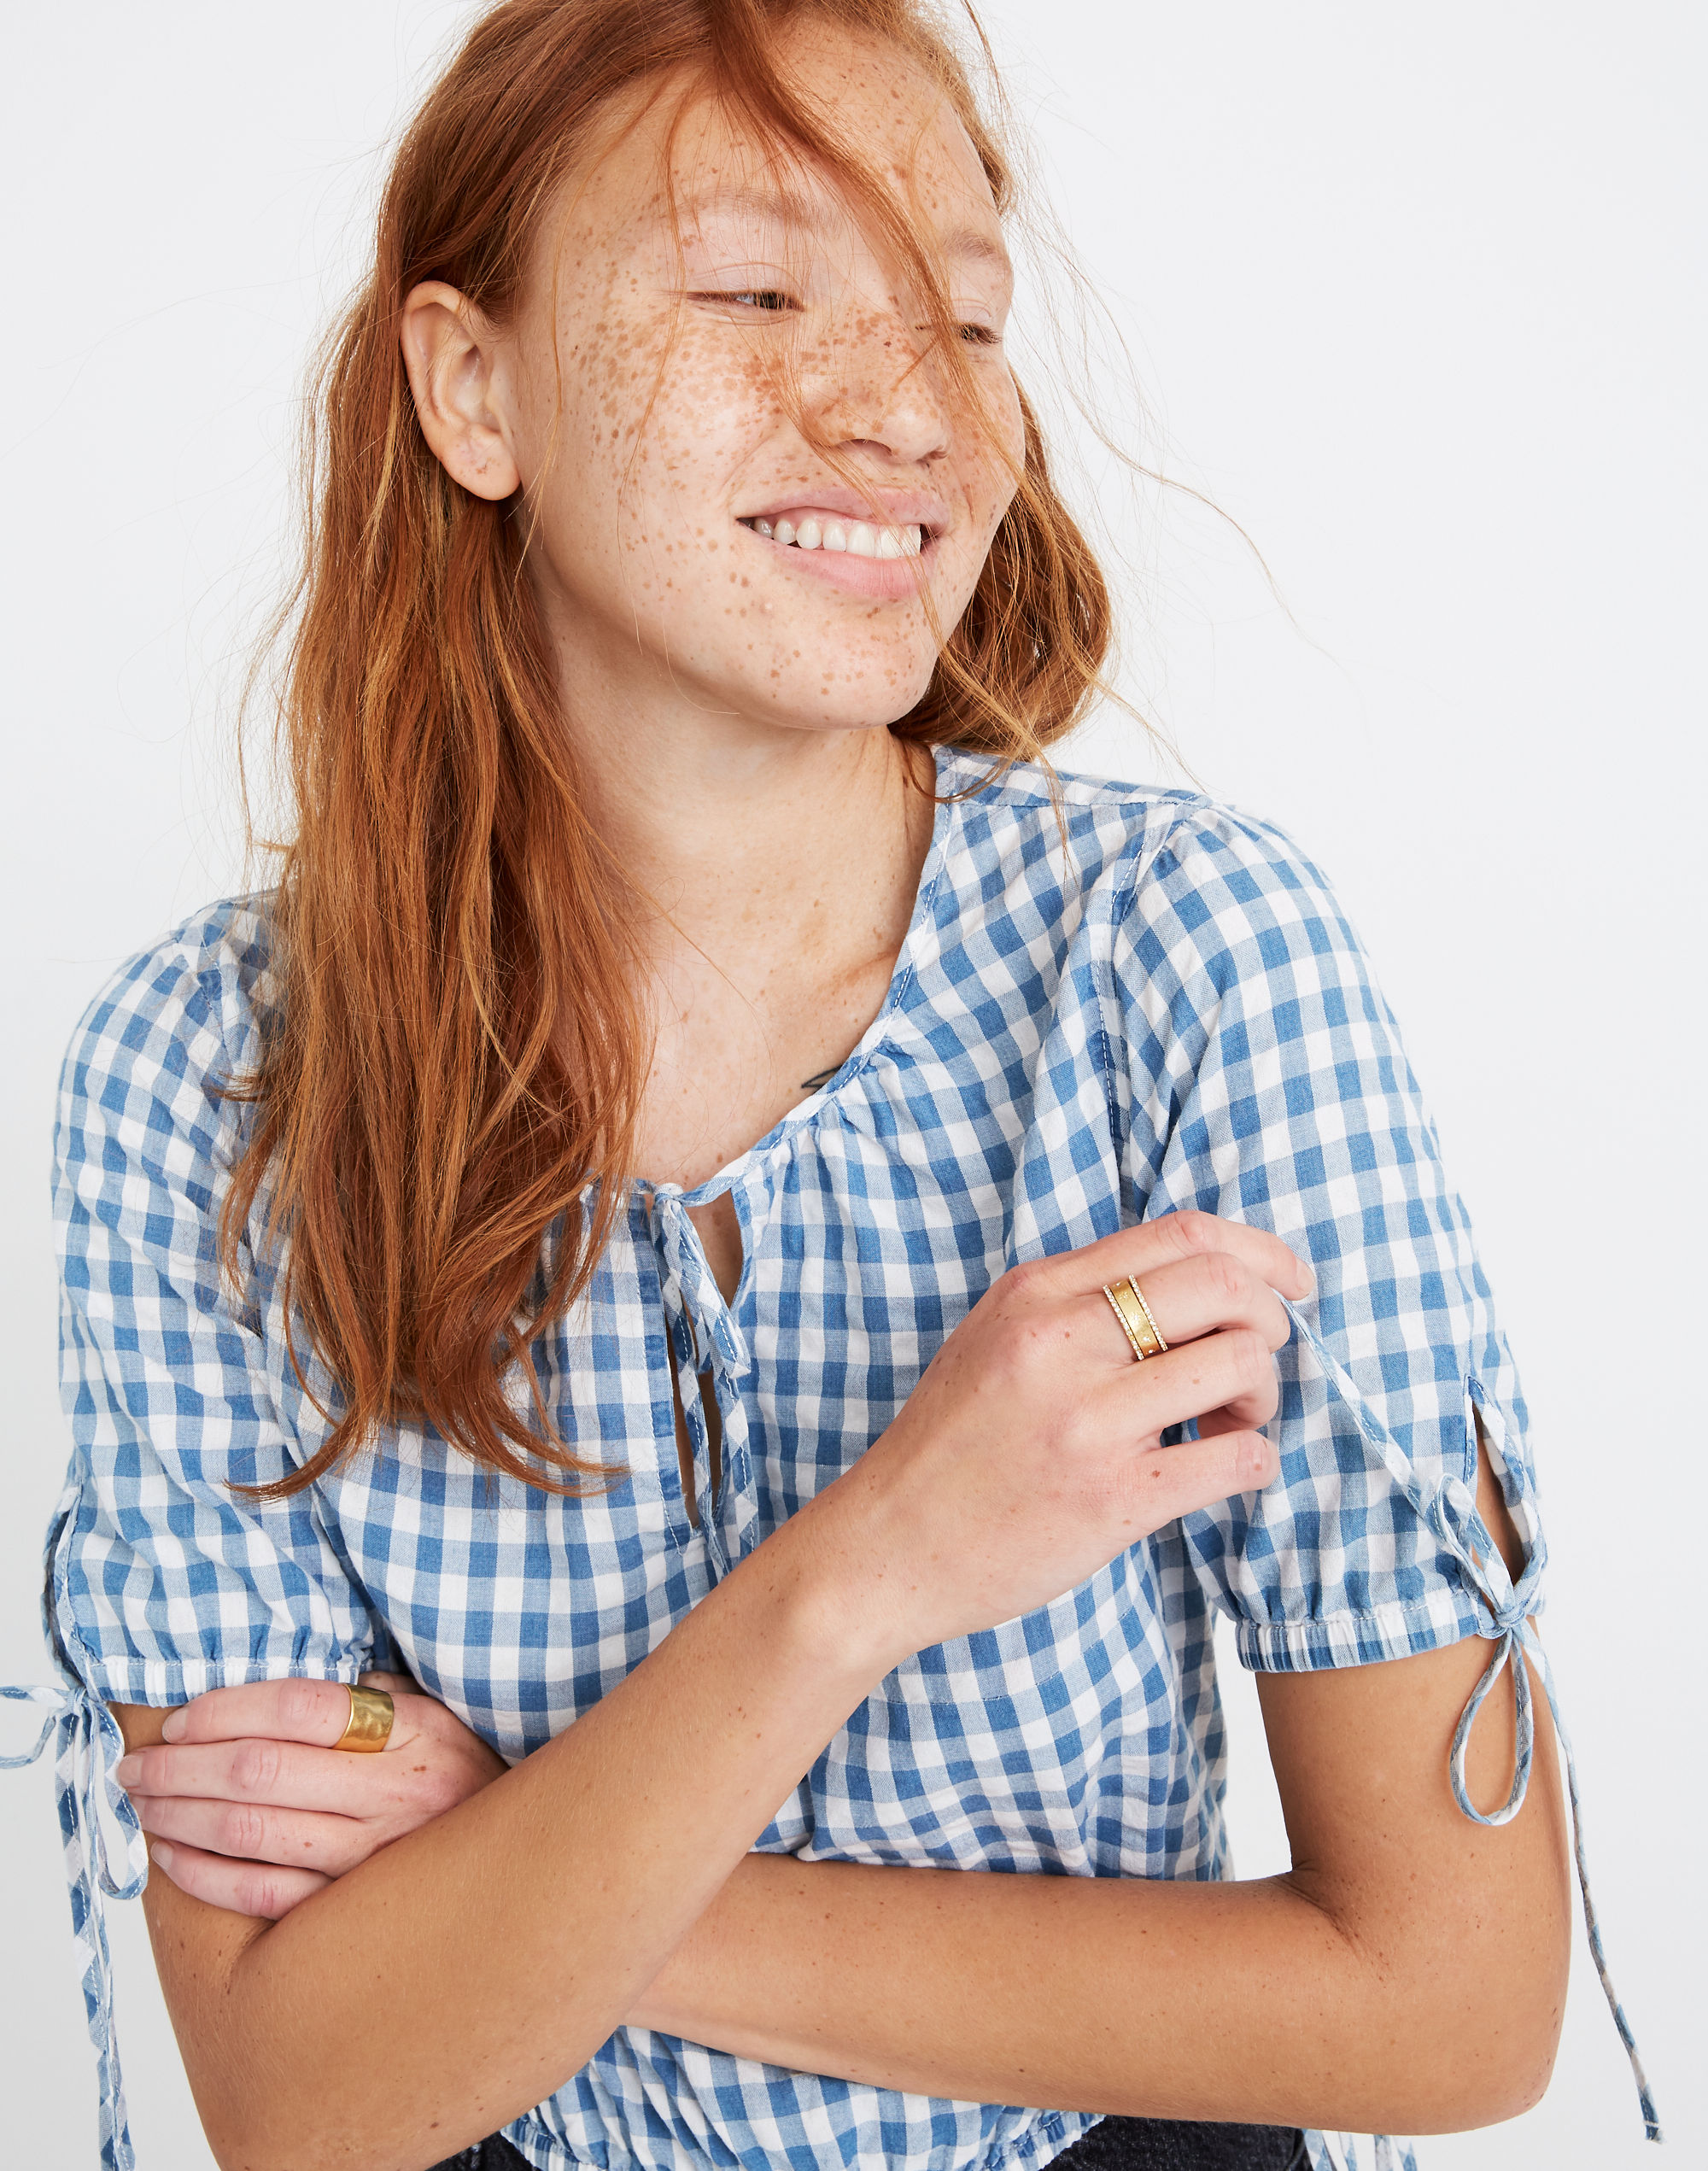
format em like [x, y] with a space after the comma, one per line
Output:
[994, 441]
[1002, 448]
[695, 411]
[671, 487]
[654, 427]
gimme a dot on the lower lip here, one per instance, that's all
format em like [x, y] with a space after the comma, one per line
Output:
[885, 579]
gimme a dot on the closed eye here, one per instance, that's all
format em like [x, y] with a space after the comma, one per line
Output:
[763, 300]
[977, 335]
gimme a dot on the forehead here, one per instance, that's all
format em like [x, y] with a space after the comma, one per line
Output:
[685, 158]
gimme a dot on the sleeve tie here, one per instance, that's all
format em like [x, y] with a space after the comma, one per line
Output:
[87, 1747]
[1450, 1509]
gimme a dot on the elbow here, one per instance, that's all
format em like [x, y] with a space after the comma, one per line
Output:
[233, 2152]
[263, 2135]
[242, 2133]
[1526, 2065]
[254, 2117]
[1437, 2079]
[274, 2129]
[1454, 2023]
[251, 2142]
[1519, 2008]
[1488, 2050]
[1507, 2074]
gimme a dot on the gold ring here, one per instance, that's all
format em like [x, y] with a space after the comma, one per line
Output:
[1126, 1302]
[368, 1728]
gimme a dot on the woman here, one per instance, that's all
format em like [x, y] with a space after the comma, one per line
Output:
[741, 1235]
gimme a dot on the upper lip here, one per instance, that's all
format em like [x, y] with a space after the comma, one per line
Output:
[885, 508]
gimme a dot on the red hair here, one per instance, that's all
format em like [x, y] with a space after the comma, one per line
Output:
[458, 1054]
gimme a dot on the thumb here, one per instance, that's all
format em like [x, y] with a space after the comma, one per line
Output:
[395, 1684]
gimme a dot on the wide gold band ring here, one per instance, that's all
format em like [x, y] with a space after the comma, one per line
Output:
[368, 1728]
[1126, 1302]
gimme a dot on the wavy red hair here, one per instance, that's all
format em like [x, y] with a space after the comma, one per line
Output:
[444, 1108]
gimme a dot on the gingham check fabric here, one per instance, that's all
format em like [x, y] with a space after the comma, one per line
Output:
[1140, 1002]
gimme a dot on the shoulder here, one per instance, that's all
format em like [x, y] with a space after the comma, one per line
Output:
[1029, 799]
[1154, 853]
[171, 1025]
[1229, 897]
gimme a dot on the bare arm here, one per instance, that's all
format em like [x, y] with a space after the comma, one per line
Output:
[503, 1941]
[1408, 1974]
[551, 1897]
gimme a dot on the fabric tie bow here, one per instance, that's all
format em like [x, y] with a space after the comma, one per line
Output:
[1450, 1509]
[87, 1741]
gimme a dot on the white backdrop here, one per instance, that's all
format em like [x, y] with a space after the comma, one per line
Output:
[1416, 295]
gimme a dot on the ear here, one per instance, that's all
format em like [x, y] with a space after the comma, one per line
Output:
[456, 370]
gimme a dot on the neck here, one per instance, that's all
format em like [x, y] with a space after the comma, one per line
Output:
[760, 847]
[772, 870]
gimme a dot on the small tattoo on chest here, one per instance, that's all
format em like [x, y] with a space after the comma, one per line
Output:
[819, 1078]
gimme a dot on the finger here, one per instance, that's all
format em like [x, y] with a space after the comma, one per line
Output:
[255, 1832]
[1199, 1296]
[1167, 1483]
[260, 1890]
[1230, 1373]
[284, 1774]
[1214, 1422]
[394, 1684]
[314, 1712]
[1171, 1238]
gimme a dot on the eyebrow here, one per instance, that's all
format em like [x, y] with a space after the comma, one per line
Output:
[966, 245]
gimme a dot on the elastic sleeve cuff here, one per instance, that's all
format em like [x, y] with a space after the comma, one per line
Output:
[1398, 1631]
[175, 1680]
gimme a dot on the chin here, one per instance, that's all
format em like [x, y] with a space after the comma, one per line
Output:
[838, 721]
[871, 702]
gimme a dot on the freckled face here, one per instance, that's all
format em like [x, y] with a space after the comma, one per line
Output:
[719, 380]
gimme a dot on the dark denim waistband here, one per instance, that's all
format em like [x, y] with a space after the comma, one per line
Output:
[1114, 2144]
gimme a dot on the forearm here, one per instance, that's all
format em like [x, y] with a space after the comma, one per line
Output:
[1157, 1999]
[494, 1950]
[1426, 1998]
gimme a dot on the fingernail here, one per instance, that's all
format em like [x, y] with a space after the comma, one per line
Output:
[127, 1770]
[173, 1725]
[162, 1854]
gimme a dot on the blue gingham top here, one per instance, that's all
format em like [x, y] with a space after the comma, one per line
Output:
[1149, 1002]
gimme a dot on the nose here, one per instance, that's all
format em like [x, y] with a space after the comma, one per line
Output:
[874, 388]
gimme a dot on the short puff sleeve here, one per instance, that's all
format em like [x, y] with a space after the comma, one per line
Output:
[1266, 1083]
[163, 1581]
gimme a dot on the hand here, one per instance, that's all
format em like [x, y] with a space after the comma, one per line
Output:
[250, 1808]
[1029, 1454]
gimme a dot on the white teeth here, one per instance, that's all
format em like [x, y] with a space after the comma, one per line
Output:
[858, 538]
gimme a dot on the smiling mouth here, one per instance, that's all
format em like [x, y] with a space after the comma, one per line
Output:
[858, 538]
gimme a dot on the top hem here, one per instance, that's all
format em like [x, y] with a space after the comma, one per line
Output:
[1037, 2146]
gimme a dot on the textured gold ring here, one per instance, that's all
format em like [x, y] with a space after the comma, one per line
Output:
[368, 1728]
[1126, 1302]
